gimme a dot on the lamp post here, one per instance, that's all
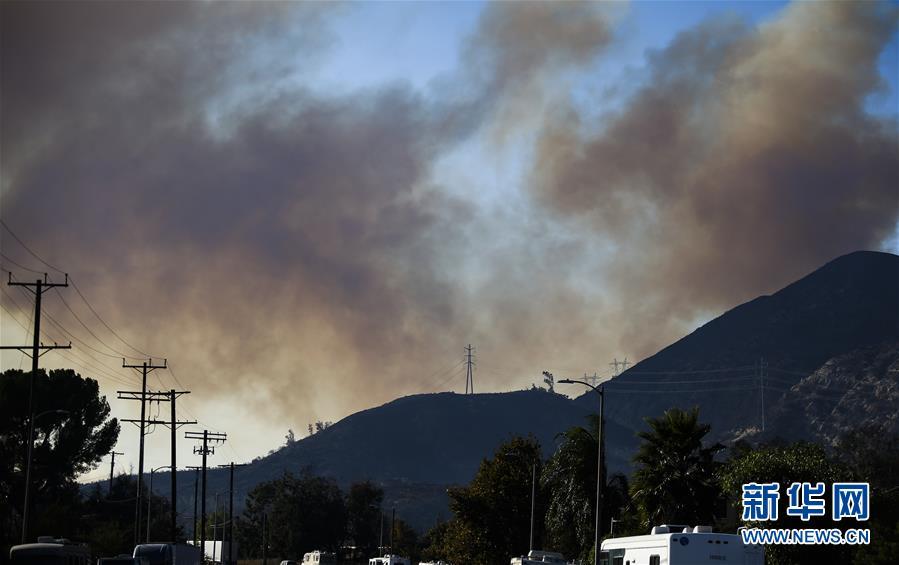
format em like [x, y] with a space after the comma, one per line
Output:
[28, 467]
[150, 498]
[600, 440]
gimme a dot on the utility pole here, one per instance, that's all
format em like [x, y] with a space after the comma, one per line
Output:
[196, 499]
[469, 373]
[264, 540]
[204, 450]
[762, 373]
[393, 527]
[533, 496]
[111, 468]
[40, 287]
[231, 510]
[145, 369]
[173, 424]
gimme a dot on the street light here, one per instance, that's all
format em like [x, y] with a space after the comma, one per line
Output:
[150, 498]
[599, 450]
[25, 516]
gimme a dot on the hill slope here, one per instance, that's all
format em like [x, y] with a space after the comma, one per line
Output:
[846, 311]
[848, 305]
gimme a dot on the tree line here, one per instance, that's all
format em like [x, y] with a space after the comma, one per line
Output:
[678, 477]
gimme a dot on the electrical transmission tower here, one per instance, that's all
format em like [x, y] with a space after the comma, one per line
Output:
[145, 369]
[173, 424]
[205, 450]
[469, 370]
[37, 349]
[615, 364]
[592, 379]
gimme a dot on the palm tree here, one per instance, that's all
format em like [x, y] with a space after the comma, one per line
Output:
[675, 478]
[570, 479]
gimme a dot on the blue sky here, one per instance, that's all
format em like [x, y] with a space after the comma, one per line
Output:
[415, 42]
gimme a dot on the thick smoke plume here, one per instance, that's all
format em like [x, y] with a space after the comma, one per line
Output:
[746, 160]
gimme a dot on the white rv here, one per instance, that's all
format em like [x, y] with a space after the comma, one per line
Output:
[680, 545]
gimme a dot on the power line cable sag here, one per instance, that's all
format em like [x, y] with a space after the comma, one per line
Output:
[84, 366]
[80, 294]
[26, 248]
[116, 353]
[71, 335]
[23, 267]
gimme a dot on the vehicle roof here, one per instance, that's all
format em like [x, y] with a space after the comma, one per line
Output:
[665, 538]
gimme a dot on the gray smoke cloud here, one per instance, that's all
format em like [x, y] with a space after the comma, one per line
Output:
[282, 246]
[293, 252]
[746, 160]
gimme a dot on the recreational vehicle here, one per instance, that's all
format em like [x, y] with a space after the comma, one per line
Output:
[680, 545]
[50, 551]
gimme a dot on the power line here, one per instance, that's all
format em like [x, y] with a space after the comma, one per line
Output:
[19, 265]
[690, 372]
[80, 294]
[86, 367]
[107, 326]
[118, 355]
[26, 248]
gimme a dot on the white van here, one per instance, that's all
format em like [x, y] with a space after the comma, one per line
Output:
[319, 558]
[680, 545]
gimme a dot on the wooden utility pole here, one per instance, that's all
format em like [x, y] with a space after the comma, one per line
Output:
[111, 469]
[205, 450]
[40, 287]
[145, 369]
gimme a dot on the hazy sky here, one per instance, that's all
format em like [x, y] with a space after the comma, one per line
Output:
[310, 209]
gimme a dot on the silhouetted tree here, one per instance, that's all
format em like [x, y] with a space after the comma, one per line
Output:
[66, 446]
[492, 514]
[674, 482]
[873, 457]
[305, 513]
[364, 515]
[799, 462]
